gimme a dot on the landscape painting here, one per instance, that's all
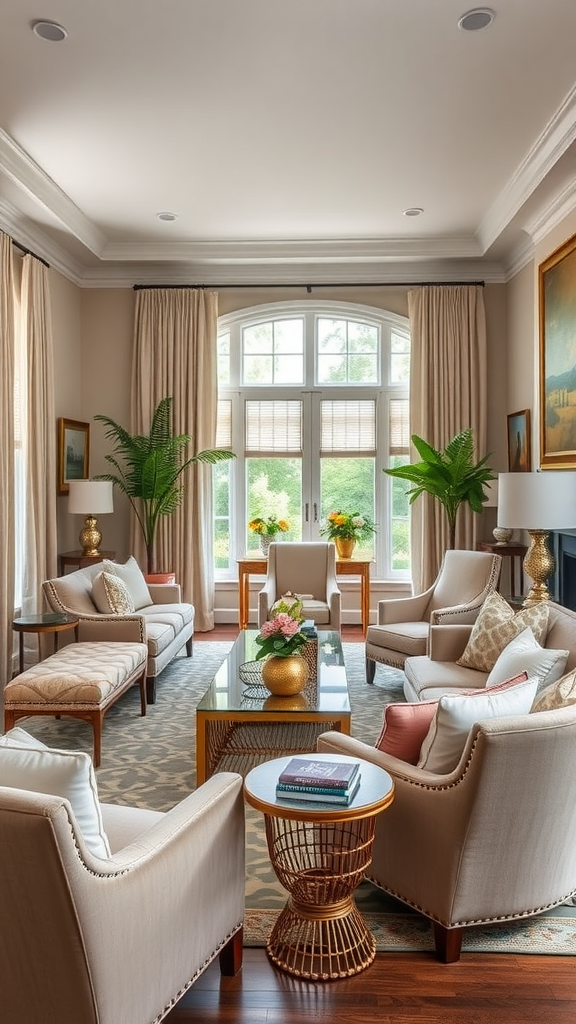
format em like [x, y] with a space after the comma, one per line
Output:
[557, 295]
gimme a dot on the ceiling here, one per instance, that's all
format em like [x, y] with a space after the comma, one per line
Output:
[288, 137]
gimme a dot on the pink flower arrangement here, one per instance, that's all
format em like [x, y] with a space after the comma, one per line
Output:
[281, 635]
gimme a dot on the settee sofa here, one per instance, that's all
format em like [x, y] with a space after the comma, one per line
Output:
[429, 676]
[165, 623]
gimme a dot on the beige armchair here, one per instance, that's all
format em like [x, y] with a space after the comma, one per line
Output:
[307, 569]
[456, 596]
[492, 841]
[119, 940]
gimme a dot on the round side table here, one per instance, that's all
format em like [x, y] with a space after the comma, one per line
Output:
[52, 622]
[320, 852]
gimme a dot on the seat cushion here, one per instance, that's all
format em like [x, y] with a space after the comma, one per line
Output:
[427, 679]
[318, 611]
[410, 638]
[80, 675]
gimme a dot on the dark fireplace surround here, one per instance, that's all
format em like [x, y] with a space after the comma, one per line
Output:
[563, 584]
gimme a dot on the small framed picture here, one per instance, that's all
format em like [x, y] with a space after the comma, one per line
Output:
[73, 452]
[519, 449]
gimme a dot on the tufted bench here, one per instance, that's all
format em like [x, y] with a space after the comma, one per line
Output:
[82, 681]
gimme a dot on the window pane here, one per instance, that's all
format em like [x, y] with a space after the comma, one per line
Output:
[274, 488]
[348, 426]
[273, 426]
[347, 352]
[399, 359]
[348, 485]
[273, 352]
[221, 491]
[224, 358]
[400, 517]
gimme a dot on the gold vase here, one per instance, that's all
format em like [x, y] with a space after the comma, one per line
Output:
[285, 676]
[344, 547]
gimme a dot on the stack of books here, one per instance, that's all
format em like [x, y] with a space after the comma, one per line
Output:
[334, 782]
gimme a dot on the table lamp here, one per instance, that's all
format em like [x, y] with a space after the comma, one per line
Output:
[88, 498]
[537, 503]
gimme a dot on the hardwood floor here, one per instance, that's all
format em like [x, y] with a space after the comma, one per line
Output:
[398, 988]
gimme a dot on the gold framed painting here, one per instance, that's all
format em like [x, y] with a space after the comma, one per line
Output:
[519, 447]
[557, 323]
[73, 452]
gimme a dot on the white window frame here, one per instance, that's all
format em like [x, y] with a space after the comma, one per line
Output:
[386, 323]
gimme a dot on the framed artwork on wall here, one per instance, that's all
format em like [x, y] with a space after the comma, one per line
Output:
[73, 452]
[519, 447]
[557, 322]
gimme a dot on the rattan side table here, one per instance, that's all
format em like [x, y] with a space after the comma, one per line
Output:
[320, 853]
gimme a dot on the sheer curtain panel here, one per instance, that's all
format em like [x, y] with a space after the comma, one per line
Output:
[7, 356]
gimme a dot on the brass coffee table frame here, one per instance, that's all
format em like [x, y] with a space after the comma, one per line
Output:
[235, 733]
[320, 854]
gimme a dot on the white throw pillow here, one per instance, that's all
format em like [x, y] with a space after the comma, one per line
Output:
[458, 712]
[524, 654]
[111, 595]
[69, 774]
[133, 577]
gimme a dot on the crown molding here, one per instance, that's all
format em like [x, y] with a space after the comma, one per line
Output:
[553, 142]
[552, 214]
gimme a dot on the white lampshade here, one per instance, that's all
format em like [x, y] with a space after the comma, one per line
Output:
[90, 497]
[537, 501]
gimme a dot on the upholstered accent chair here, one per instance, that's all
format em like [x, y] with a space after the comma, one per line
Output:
[464, 581]
[117, 940]
[307, 569]
[491, 841]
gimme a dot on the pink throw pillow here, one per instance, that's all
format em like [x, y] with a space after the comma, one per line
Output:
[404, 729]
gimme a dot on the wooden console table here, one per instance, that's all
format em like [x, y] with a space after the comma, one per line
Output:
[511, 551]
[79, 561]
[344, 567]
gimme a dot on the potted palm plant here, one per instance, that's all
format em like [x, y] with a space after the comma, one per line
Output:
[149, 469]
[452, 476]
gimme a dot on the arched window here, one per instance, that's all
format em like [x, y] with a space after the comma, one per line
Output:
[313, 399]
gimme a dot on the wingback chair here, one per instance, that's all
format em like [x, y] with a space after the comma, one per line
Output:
[307, 569]
[118, 940]
[456, 596]
[495, 840]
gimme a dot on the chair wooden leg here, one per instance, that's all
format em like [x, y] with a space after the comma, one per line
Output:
[370, 670]
[231, 954]
[448, 943]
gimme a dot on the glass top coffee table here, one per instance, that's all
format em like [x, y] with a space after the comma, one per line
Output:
[239, 723]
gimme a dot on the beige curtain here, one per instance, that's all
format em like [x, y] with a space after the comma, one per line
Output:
[41, 534]
[447, 394]
[175, 338]
[7, 355]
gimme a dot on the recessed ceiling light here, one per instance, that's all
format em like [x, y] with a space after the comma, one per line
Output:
[166, 216]
[413, 211]
[479, 17]
[49, 30]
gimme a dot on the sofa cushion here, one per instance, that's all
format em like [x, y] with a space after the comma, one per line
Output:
[111, 595]
[427, 679]
[560, 694]
[457, 713]
[404, 729]
[524, 654]
[132, 575]
[65, 773]
[496, 626]
[408, 638]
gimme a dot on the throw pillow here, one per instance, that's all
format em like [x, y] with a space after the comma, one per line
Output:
[111, 595]
[558, 695]
[496, 626]
[17, 737]
[524, 654]
[65, 773]
[404, 729]
[132, 575]
[457, 713]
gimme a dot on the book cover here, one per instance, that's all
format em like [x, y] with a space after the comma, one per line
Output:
[302, 771]
[333, 796]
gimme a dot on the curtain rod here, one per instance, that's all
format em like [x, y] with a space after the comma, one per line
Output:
[309, 287]
[28, 252]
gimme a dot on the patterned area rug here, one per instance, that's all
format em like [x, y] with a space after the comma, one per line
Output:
[150, 762]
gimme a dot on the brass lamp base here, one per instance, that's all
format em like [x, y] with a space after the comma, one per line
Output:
[539, 564]
[90, 537]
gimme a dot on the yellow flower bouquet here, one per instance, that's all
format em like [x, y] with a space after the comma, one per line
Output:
[268, 527]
